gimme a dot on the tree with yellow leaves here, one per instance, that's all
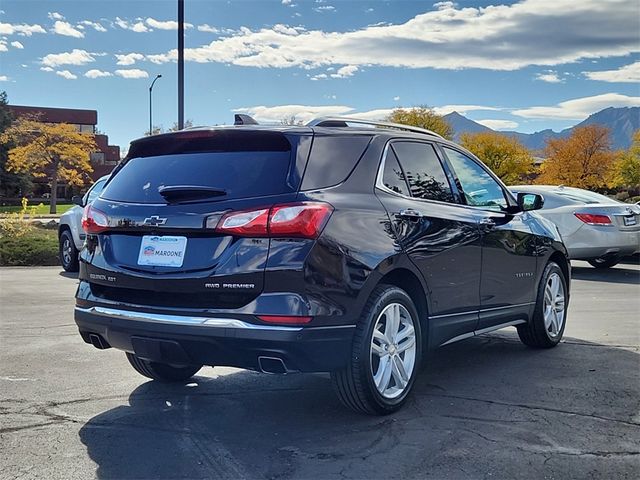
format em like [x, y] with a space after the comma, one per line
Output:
[628, 166]
[505, 155]
[423, 117]
[582, 160]
[53, 151]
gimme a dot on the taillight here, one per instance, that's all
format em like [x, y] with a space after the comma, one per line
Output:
[284, 319]
[593, 219]
[94, 221]
[249, 222]
[300, 220]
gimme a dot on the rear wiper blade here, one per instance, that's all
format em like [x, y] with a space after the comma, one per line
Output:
[190, 192]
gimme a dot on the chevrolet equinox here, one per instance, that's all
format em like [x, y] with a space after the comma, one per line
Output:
[343, 246]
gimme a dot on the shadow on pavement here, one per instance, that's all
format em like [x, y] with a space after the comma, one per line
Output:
[617, 274]
[484, 406]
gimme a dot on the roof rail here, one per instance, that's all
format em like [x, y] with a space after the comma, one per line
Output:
[344, 121]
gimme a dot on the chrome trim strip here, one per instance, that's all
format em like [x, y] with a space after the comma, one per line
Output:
[526, 304]
[483, 330]
[182, 319]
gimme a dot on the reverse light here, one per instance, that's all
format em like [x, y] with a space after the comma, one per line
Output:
[593, 219]
[299, 220]
[94, 221]
[285, 319]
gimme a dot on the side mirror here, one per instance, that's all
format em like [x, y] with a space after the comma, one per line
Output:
[77, 200]
[530, 201]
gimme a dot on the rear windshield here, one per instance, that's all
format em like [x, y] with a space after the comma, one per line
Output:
[583, 196]
[238, 174]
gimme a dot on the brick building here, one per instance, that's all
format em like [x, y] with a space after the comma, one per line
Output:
[85, 121]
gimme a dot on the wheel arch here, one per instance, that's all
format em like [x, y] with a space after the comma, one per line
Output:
[564, 265]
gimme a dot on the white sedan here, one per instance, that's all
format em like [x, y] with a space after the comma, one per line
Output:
[594, 227]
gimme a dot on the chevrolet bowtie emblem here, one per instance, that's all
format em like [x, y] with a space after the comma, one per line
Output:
[154, 221]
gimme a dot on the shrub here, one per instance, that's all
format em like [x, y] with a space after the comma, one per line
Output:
[34, 246]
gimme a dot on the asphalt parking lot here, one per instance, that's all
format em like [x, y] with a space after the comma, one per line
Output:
[483, 408]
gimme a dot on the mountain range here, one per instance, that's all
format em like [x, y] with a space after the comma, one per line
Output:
[622, 122]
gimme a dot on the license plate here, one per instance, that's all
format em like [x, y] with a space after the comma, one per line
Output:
[162, 251]
[629, 221]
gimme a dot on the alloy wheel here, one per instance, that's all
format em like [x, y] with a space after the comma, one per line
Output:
[393, 350]
[554, 305]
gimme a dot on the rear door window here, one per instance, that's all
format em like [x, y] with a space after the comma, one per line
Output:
[393, 176]
[423, 171]
[238, 174]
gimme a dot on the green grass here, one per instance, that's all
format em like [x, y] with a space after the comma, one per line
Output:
[37, 247]
[39, 209]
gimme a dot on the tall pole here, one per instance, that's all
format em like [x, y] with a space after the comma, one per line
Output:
[180, 64]
[150, 104]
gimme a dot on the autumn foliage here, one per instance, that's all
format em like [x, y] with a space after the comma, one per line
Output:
[53, 151]
[503, 154]
[582, 160]
[422, 117]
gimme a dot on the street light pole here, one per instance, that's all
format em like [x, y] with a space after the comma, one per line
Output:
[150, 110]
[180, 64]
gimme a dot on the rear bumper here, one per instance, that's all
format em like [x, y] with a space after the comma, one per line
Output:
[222, 341]
[594, 242]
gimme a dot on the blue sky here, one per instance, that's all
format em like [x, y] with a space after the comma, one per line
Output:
[524, 65]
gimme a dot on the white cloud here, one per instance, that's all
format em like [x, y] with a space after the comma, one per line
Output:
[21, 29]
[46, 69]
[94, 73]
[208, 28]
[65, 28]
[165, 25]
[55, 16]
[502, 37]
[17, 45]
[3, 46]
[132, 73]
[95, 25]
[286, 2]
[4, 78]
[344, 72]
[496, 124]
[129, 58]
[302, 113]
[66, 74]
[138, 27]
[75, 57]
[549, 77]
[377, 114]
[396, 98]
[325, 8]
[578, 108]
[320, 76]
[625, 74]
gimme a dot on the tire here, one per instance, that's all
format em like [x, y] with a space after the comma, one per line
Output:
[68, 252]
[162, 372]
[395, 359]
[605, 262]
[546, 327]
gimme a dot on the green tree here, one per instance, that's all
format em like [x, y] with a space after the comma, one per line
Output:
[627, 169]
[53, 151]
[423, 117]
[11, 184]
[505, 155]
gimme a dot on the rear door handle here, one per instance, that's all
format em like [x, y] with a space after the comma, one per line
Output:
[487, 223]
[409, 214]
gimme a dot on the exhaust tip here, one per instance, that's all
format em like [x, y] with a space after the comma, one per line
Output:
[272, 365]
[98, 342]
